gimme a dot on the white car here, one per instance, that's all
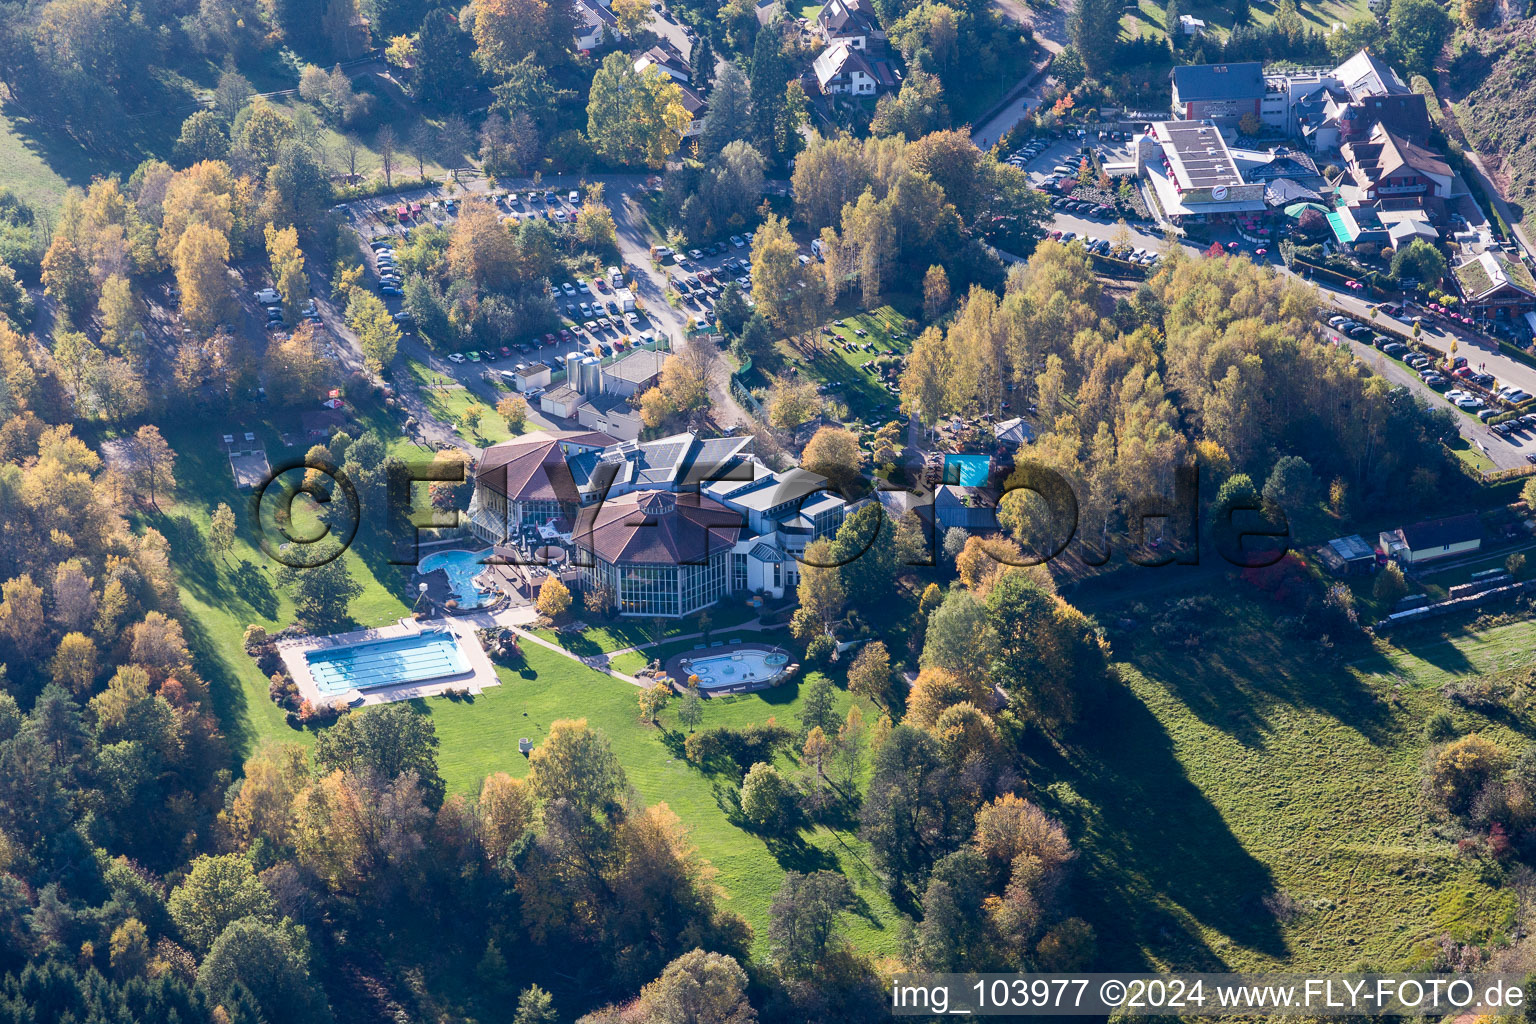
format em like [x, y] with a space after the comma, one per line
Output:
[457, 357]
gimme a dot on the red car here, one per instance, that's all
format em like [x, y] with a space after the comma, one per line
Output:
[565, 335]
[549, 339]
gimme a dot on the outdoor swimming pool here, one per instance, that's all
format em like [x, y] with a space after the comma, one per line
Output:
[967, 470]
[462, 567]
[737, 668]
[431, 654]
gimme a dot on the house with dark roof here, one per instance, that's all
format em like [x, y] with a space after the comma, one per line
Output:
[1496, 286]
[1432, 539]
[842, 68]
[608, 489]
[1222, 93]
[667, 59]
[595, 25]
[850, 21]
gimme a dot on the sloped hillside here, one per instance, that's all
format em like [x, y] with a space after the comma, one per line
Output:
[1498, 114]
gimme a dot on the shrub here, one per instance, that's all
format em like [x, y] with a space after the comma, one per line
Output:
[1439, 727]
[1463, 768]
[820, 650]
[737, 748]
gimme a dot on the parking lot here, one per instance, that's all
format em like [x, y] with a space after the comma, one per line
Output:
[699, 274]
[599, 315]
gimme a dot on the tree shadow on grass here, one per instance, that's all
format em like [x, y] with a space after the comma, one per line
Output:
[255, 589]
[225, 693]
[1437, 648]
[1232, 679]
[1158, 860]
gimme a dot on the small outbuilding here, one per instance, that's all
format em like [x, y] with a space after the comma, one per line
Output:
[1348, 556]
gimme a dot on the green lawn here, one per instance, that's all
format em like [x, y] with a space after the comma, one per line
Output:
[225, 594]
[447, 399]
[859, 389]
[370, 163]
[481, 737]
[616, 634]
[25, 169]
[1148, 18]
[1251, 803]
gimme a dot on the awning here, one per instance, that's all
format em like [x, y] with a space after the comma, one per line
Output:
[1295, 210]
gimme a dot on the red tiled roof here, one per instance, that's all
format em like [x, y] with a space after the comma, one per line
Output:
[657, 528]
[533, 467]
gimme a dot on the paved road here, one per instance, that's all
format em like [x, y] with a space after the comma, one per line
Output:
[1050, 31]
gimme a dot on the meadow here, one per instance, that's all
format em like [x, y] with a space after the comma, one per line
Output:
[1253, 801]
[480, 737]
[846, 373]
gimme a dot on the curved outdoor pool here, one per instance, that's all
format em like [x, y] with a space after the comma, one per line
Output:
[462, 567]
[738, 668]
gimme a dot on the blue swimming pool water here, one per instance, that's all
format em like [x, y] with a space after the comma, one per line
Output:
[717, 670]
[967, 470]
[462, 567]
[431, 654]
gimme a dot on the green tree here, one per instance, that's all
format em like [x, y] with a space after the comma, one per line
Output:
[535, 1006]
[691, 711]
[865, 550]
[817, 709]
[321, 593]
[1094, 26]
[221, 529]
[216, 892]
[804, 918]
[1417, 30]
[203, 137]
[728, 118]
[1046, 654]
[770, 69]
[383, 743]
[634, 118]
[270, 963]
[767, 800]
[576, 764]
[906, 813]
[377, 332]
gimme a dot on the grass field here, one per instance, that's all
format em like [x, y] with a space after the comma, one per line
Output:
[481, 737]
[1148, 18]
[27, 171]
[1250, 802]
[447, 399]
[225, 594]
[845, 372]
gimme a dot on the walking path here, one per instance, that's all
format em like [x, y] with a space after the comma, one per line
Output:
[600, 662]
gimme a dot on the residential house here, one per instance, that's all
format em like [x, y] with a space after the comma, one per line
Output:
[1432, 539]
[850, 21]
[842, 69]
[667, 59]
[1496, 286]
[595, 25]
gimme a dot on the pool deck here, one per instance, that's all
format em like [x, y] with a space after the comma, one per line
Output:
[714, 649]
[481, 674]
